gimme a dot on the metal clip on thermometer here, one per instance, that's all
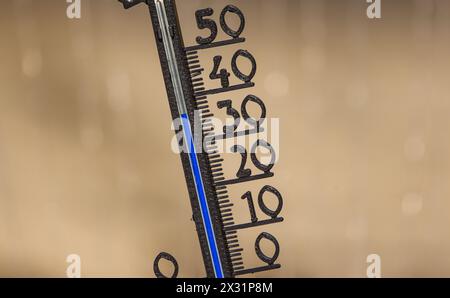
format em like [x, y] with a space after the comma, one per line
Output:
[188, 99]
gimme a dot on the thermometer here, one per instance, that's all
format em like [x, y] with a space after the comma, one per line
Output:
[202, 162]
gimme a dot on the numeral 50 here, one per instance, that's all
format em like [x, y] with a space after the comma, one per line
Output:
[206, 23]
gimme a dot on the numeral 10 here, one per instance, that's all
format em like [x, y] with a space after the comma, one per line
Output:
[262, 205]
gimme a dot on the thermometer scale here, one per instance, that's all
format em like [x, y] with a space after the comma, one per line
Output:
[202, 163]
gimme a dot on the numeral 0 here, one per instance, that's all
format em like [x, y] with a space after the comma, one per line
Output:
[266, 259]
[235, 68]
[169, 258]
[204, 23]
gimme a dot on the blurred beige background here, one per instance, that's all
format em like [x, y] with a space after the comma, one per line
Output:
[85, 159]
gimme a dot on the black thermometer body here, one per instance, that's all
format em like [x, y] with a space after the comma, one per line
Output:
[202, 162]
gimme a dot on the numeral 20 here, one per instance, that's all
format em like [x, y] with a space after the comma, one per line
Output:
[243, 172]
